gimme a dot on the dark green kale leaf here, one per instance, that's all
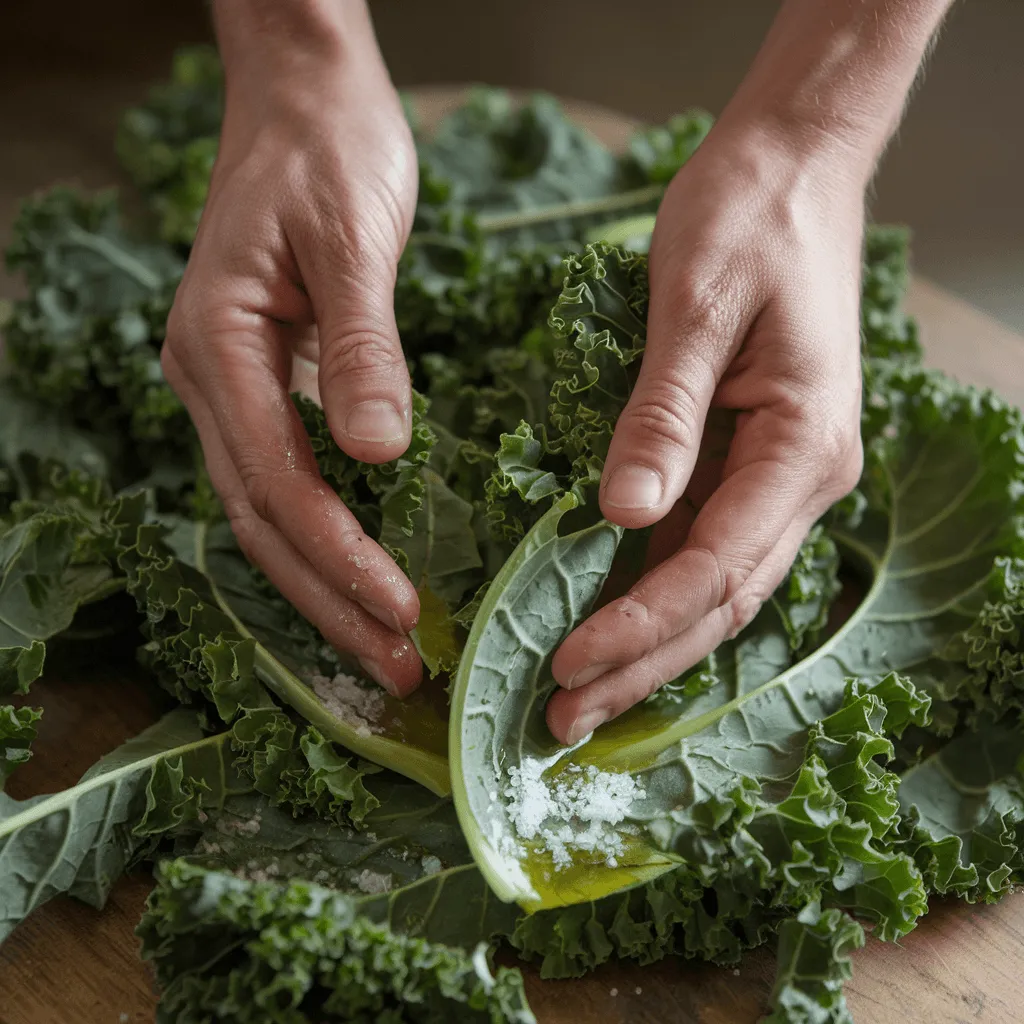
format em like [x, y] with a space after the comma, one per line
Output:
[804, 598]
[218, 636]
[17, 731]
[295, 952]
[78, 842]
[56, 557]
[391, 922]
[40, 446]
[169, 142]
[887, 331]
[814, 960]
[375, 493]
[656, 154]
[86, 340]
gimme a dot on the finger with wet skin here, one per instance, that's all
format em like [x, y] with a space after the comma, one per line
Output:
[741, 523]
[270, 453]
[388, 657]
[572, 714]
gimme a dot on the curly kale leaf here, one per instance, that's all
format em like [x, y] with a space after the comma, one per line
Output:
[79, 841]
[55, 558]
[392, 922]
[814, 961]
[257, 951]
[87, 338]
[169, 142]
[216, 635]
[887, 331]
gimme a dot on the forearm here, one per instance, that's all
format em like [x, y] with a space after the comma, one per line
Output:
[834, 74]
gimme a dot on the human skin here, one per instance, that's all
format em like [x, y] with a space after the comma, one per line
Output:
[754, 269]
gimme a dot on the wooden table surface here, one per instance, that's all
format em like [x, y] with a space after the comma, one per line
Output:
[69, 964]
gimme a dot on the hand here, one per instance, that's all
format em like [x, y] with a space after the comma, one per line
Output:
[755, 269]
[310, 205]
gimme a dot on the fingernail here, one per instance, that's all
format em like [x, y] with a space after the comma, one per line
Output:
[588, 675]
[378, 675]
[634, 486]
[376, 421]
[385, 615]
[586, 723]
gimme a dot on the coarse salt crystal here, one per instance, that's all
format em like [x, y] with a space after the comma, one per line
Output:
[575, 812]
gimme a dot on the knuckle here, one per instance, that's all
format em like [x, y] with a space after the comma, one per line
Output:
[742, 609]
[711, 566]
[351, 240]
[637, 621]
[187, 317]
[258, 483]
[656, 679]
[839, 453]
[849, 474]
[361, 350]
[169, 367]
[356, 225]
[668, 411]
[263, 483]
[700, 304]
[729, 578]
[246, 526]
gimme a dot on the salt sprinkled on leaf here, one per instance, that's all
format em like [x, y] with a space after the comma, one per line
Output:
[232, 826]
[373, 882]
[578, 812]
[346, 698]
[431, 864]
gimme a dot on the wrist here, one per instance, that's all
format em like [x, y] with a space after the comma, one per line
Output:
[798, 154]
[832, 77]
[805, 179]
[264, 42]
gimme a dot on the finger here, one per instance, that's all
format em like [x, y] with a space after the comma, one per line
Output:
[253, 417]
[388, 658]
[349, 270]
[756, 505]
[304, 379]
[573, 714]
[693, 333]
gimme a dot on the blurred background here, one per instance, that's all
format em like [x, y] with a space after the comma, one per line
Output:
[955, 174]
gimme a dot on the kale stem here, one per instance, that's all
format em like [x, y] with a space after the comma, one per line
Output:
[118, 257]
[495, 223]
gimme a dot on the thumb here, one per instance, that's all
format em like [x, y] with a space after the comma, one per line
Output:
[657, 438]
[363, 378]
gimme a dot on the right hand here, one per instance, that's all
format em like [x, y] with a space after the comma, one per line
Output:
[310, 205]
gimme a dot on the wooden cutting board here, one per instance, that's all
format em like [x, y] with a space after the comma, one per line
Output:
[69, 964]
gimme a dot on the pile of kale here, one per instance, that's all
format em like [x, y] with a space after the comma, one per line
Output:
[813, 777]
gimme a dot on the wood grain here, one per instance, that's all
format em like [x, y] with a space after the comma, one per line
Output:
[962, 965]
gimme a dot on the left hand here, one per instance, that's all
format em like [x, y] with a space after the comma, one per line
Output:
[755, 294]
